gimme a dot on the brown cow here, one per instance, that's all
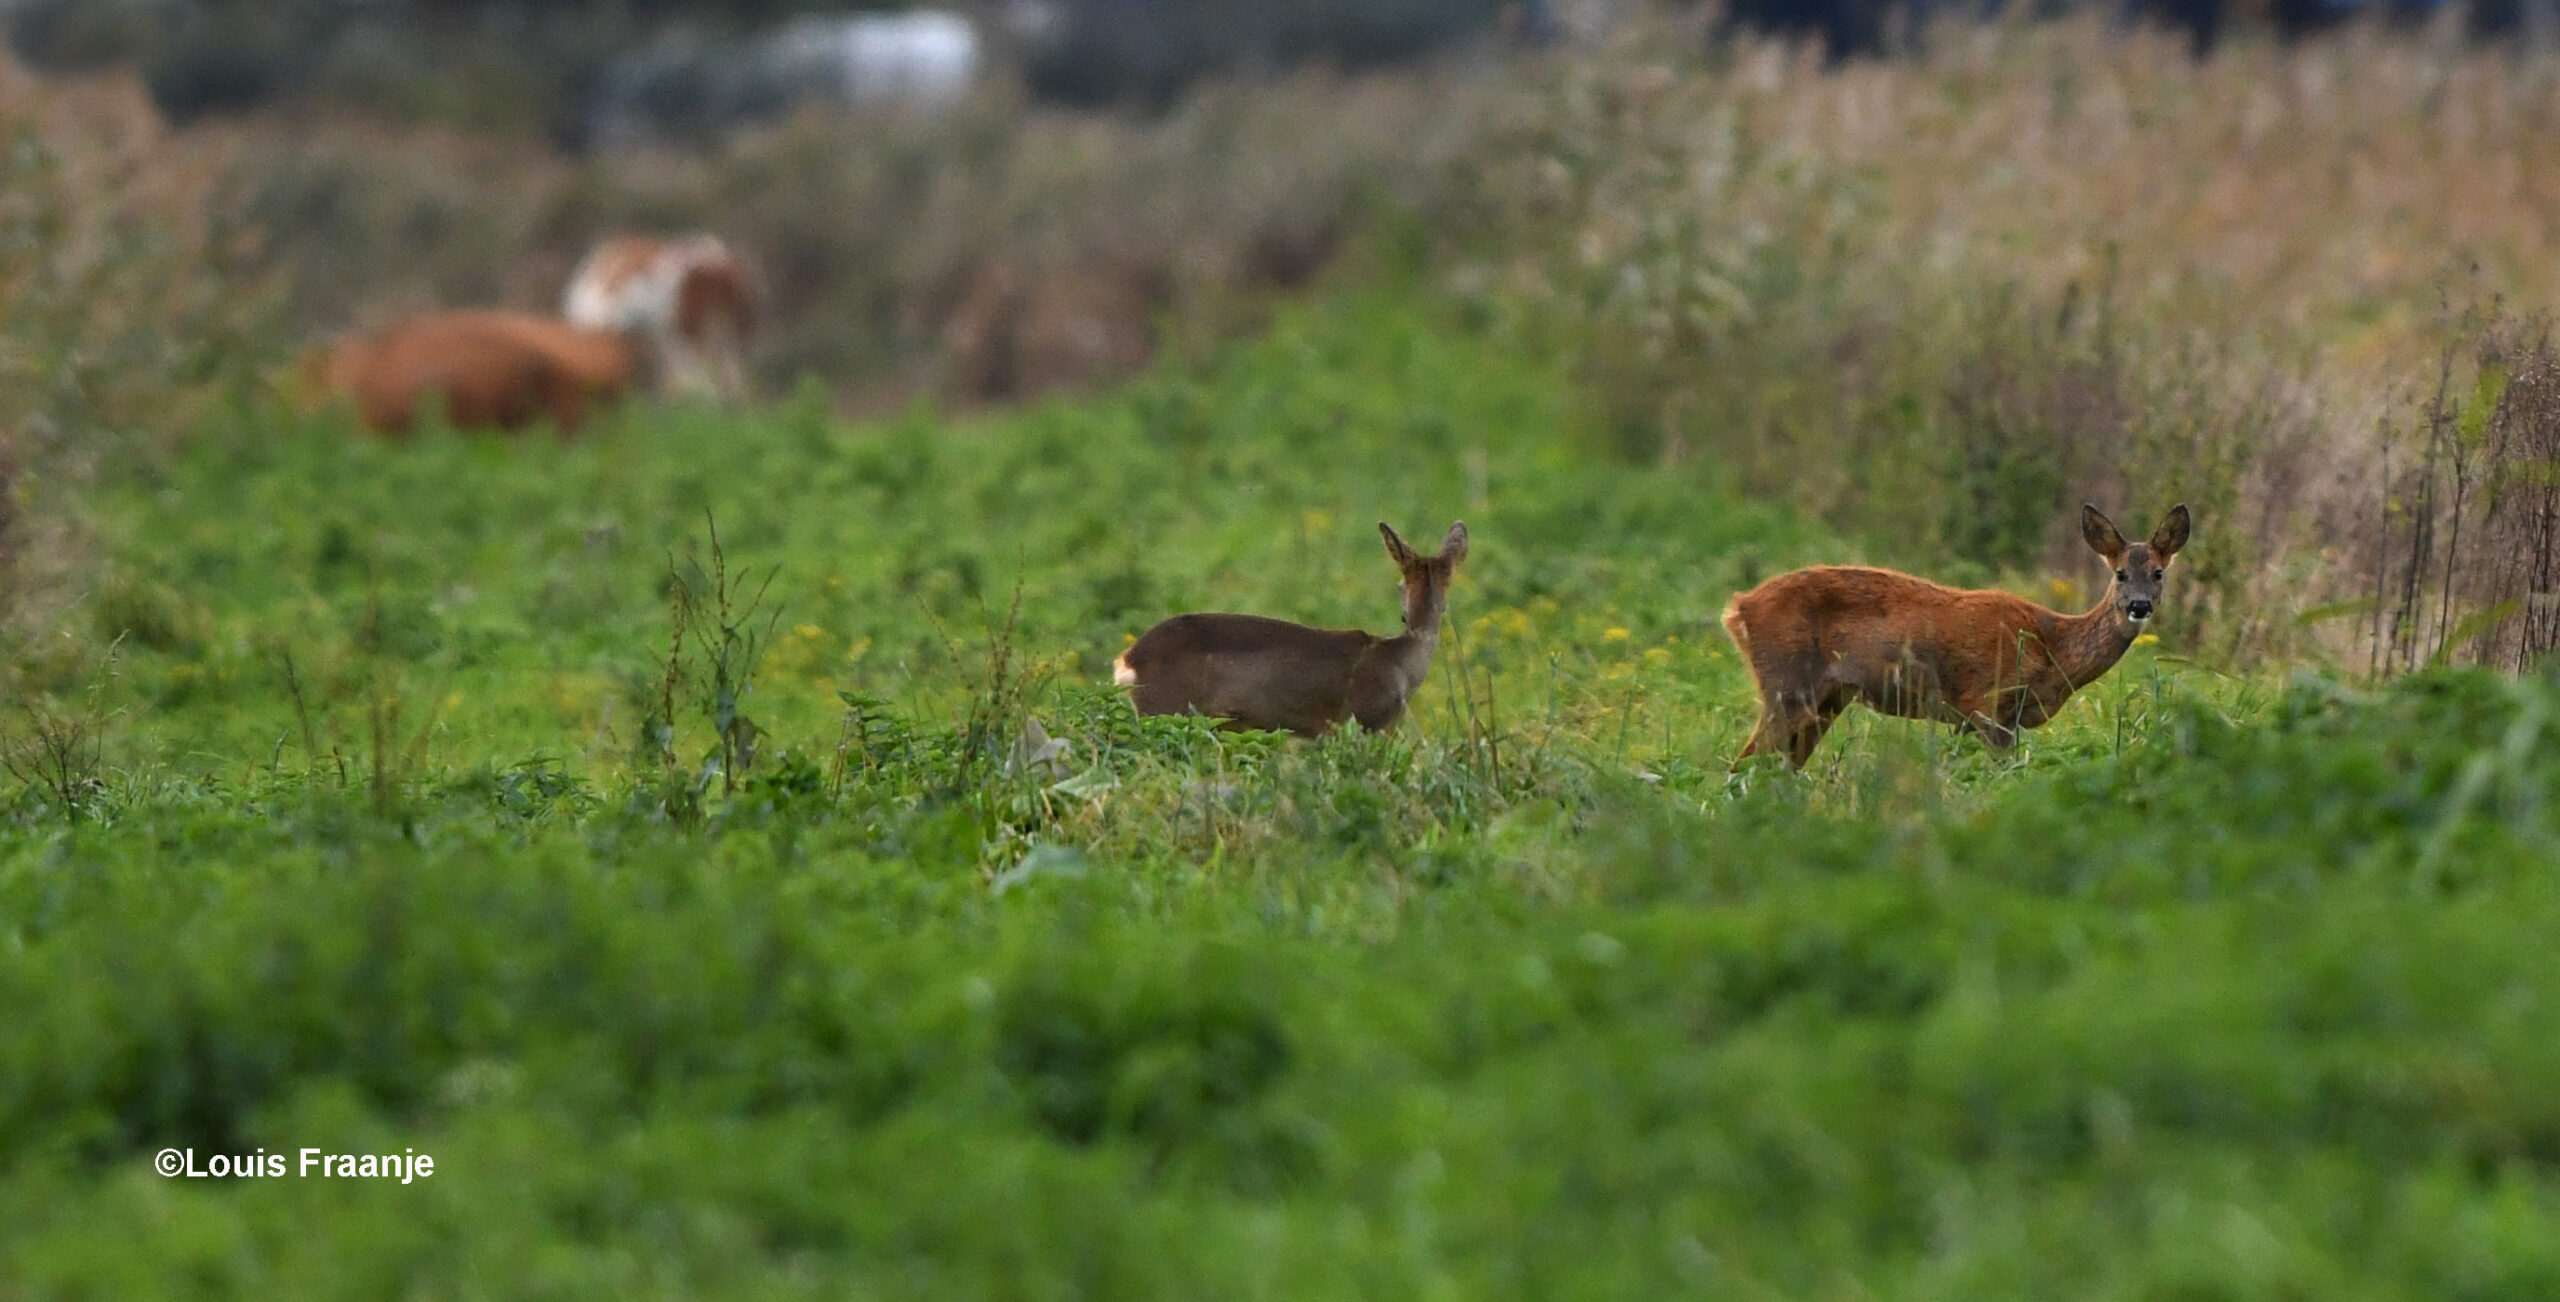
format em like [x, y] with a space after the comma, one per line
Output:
[486, 368]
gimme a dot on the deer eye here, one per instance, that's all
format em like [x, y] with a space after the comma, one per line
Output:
[2119, 576]
[2155, 574]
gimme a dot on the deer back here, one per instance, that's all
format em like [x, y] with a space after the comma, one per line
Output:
[1270, 673]
[1899, 643]
[1257, 671]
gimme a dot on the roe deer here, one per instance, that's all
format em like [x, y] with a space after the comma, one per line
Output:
[1269, 673]
[1819, 638]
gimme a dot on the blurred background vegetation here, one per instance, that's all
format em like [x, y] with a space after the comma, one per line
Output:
[545, 68]
[1935, 297]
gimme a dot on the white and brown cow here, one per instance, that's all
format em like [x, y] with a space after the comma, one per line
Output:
[690, 300]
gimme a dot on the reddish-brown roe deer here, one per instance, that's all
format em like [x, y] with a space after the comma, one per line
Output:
[1820, 638]
[1271, 674]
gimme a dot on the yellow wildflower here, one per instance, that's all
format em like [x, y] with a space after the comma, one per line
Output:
[2146, 639]
[1615, 635]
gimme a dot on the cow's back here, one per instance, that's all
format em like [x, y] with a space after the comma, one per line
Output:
[486, 368]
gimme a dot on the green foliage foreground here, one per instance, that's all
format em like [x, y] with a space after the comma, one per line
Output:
[2216, 990]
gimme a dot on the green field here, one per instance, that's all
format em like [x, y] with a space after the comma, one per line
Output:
[384, 810]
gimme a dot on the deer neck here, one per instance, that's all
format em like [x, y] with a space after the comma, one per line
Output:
[1421, 633]
[2085, 646]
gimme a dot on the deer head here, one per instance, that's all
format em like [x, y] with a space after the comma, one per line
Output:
[1426, 578]
[2139, 567]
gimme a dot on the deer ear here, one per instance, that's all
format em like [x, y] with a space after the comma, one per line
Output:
[1453, 548]
[1396, 550]
[2172, 533]
[2101, 533]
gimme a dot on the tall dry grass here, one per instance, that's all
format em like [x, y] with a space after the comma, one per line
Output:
[125, 307]
[1943, 299]
[1938, 300]
[2465, 562]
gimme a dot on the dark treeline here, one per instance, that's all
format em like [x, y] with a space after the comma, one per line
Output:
[499, 64]
[1864, 28]
[560, 68]
[1107, 51]
[544, 67]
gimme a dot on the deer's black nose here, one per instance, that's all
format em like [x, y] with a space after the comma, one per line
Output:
[2138, 609]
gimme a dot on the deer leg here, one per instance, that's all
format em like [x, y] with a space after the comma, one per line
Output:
[1798, 728]
[1978, 718]
[1766, 734]
[1759, 733]
[1808, 734]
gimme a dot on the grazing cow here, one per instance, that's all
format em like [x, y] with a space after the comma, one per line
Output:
[690, 300]
[486, 368]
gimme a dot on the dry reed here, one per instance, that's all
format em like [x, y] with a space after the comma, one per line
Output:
[1943, 299]
[124, 307]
